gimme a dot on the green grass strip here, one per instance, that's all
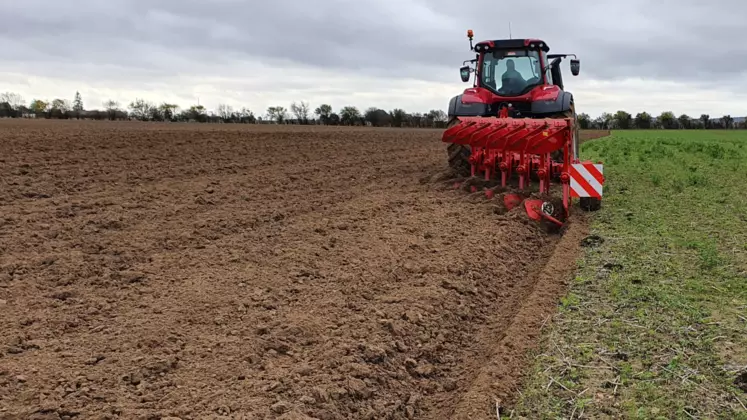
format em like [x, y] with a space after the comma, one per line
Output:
[655, 325]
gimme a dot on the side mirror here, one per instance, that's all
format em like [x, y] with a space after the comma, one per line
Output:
[575, 66]
[464, 72]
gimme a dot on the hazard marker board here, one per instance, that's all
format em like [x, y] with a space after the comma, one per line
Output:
[586, 180]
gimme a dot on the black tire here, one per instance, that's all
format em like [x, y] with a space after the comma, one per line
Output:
[458, 156]
[576, 131]
[570, 113]
[590, 203]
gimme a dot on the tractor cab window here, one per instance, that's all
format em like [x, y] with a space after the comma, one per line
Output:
[511, 72]
[548, 70]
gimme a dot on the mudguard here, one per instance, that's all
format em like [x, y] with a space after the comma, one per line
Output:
[561, 104]
[459, 109]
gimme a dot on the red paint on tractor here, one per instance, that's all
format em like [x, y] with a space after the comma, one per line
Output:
[484, 96]
[532, 41]
[478, 95]
[544, 93]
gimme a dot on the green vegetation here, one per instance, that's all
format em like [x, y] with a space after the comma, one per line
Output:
[655, 325]
[622, 120]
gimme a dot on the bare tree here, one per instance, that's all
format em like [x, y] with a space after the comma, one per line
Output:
[437, 115]
[155, 114]
[225, 112]
[111, 107]
[416, 119]
[301, 111]
[247, 116]
[13, 99]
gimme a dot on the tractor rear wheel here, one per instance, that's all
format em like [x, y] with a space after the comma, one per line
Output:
[575, 139]
[590, 203]
[458, 155]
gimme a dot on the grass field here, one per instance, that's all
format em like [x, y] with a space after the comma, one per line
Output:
[655, 324]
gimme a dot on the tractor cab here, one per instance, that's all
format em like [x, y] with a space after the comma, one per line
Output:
[512, 68]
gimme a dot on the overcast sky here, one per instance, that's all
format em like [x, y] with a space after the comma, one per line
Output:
[654, 55]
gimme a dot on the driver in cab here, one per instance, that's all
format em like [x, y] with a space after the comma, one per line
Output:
[512, 79]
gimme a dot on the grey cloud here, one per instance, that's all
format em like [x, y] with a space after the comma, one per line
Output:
[682, 40]
[356, 36]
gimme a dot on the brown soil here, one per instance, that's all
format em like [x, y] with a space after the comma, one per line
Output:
[258, 272]
[587, 135]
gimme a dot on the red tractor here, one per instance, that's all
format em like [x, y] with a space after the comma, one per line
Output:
[517, 120]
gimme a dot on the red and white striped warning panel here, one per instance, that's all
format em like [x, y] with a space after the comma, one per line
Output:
[586, 180]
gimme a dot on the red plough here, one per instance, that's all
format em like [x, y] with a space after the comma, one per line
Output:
[520, 146]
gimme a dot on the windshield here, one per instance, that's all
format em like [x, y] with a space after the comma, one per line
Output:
[511, 73]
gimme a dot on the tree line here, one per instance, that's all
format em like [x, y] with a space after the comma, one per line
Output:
[12, 105]
[623, 120]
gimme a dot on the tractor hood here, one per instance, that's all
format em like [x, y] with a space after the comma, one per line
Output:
[485, 96]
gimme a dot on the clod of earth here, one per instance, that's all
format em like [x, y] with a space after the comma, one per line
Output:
[741, 381]
[592, 241]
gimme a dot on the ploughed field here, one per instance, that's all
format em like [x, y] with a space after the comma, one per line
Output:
[258, 272]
